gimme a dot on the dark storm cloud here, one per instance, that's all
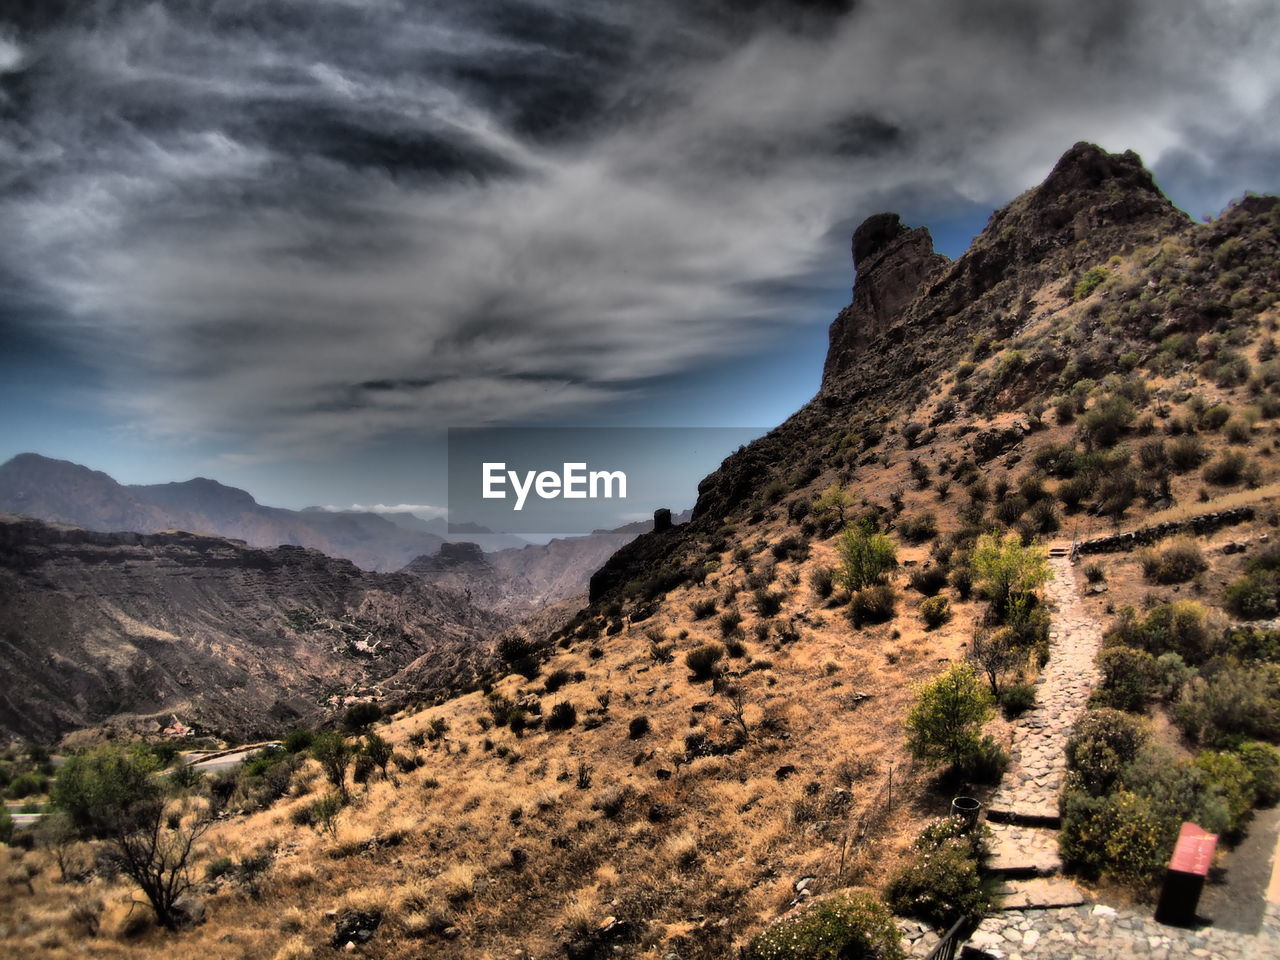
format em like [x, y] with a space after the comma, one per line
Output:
[292, 224]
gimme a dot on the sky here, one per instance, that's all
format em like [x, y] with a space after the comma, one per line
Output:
[286, 243]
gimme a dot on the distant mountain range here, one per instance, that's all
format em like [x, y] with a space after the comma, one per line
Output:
[515, 577]
[63, 492]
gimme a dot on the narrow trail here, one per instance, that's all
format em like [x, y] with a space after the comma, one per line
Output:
[1047, 917]
[1028, 795]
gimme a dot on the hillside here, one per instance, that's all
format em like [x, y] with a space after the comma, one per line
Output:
[129, 630]
[1095, 359]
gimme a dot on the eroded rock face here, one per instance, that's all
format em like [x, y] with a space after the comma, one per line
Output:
[129, 629]
[894, 265]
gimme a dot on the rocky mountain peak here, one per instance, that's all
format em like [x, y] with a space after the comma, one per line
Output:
[894, 263]
[1091, 205]
[1087, 190]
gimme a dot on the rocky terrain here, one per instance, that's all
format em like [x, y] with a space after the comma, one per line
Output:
[131, 629]
[719, 737]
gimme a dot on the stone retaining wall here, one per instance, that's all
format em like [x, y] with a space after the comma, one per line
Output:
[1204, 523]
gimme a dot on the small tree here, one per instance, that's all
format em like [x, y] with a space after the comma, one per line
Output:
[110, 792]
[333, 753]
[56, 833]
[835, 499]
[995, 654]
[378, 751]
[866, 557]
[360, 716]
[1004, 568]
[946, 722]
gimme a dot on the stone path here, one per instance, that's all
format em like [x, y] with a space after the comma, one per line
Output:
[1018, 851]
[1097, 931]
[1028, 794]
[1044, 916]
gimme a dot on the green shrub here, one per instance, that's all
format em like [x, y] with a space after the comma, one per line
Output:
[1239, 430]
[1230, 777]
[1263, 763]
[768, 602]
[556, 679]
[920, 528]
[822, 582]
[866, 558]
[1119, 835]
[946, 722]
[361, 715]
[1043, 517]
[6, 825]
[1253, 596]
[1075, 491]
[1183, 627]
[1171, 675]
[1186, 453]
[1177, 789]
[1232, 705]
[1029, 620]
[844, 926]
[1128, 678]
[873, 604]
[940, 885]
[1004, 567]
[563, 716]
[520, 654]
[928, 580]
[1215, 417]
[1249, 644]
[703, 661]
[701, 609]
[26, 784]
[987, 763]
[1179, 561]
[1017, 698]
[1009, 510]
[1092, 279]
[1227, 469]
[639, 727]
[935, 611]
[730, 620]
[298, 739]
[1100, 746]
[1104, 422]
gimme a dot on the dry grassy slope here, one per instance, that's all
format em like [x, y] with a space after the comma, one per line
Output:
[698, 855]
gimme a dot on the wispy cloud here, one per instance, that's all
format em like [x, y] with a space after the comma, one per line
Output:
[293, 226]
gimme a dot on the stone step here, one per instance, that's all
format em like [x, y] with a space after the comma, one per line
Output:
[1039, 893]
[1025, 813]
[1018, 851]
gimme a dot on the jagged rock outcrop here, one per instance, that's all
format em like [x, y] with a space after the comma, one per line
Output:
[1092, 204]
[893, 264]
[132, 628]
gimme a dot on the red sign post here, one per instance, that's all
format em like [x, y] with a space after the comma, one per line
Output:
[1188, 868]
